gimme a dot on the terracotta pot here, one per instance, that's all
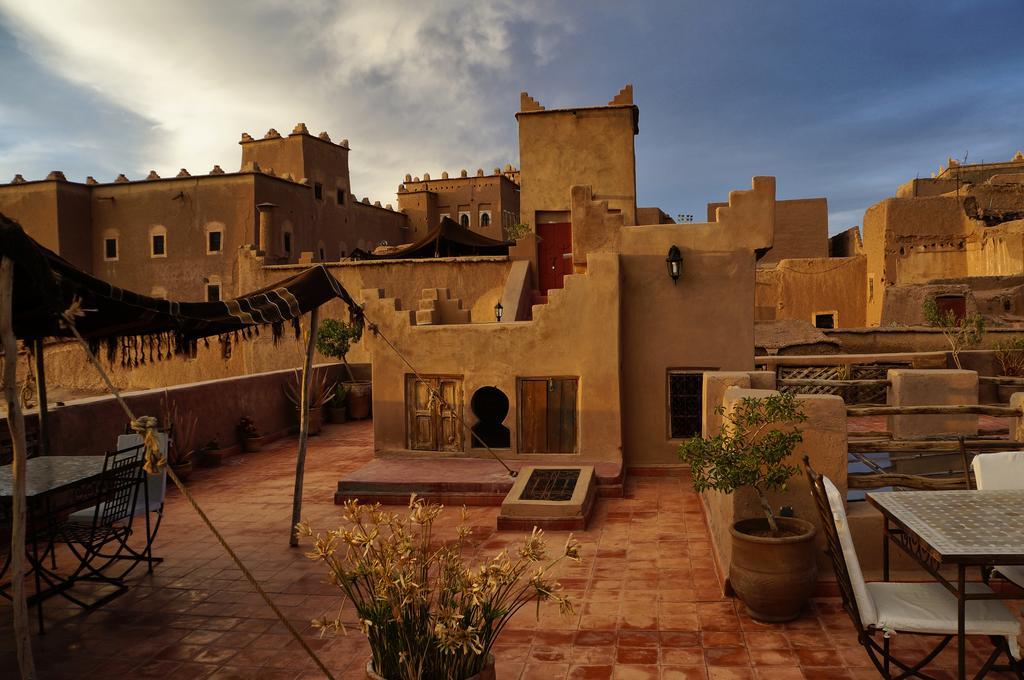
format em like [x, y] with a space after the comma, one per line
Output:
[315, 420]
[486, 674]
[336, 414]
[360, 399]
[773, 577]
[182, 470]
[252, 444]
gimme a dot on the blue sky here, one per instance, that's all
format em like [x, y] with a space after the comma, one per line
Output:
[843, 100]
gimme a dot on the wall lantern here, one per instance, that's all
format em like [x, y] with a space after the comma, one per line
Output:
[498, 311]
[675, 263]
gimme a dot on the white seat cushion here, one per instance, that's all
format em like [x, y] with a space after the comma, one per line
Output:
[837, 504]
[1013, 573]
[1001, 470]
[930, 608]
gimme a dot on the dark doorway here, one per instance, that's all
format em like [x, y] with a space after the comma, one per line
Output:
[825, 320]
[490, 406]
[952, 303]
[555, 242]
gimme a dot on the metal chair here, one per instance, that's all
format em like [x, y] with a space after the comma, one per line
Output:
[149, 500]
[912, 608]
[111, 523]
[1002, 470]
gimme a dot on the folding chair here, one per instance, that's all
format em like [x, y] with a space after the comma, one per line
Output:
[149, 500]
[1002, 470]
[914, 608]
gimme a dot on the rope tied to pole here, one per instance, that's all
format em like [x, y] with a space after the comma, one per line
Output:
[145, 427]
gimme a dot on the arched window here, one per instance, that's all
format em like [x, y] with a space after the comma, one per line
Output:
[158, 241]
[464, 220]
[286, 241]
[485, 219]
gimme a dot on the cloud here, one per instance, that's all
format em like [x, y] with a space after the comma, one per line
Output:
[411, 86]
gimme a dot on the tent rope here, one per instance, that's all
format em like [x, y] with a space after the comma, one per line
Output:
[436, 396]
[146, 426]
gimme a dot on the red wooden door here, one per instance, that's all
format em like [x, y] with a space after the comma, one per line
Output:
[555, 242]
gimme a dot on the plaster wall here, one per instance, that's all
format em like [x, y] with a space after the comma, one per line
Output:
[925, 387]
[495, 193]
[566, 338]
[586, 146]
[800, 288]
[703, 321]
[34, 207]
[801, 229]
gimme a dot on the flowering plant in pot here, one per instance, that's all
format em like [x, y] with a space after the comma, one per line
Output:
[425, 612]
[773, 568]
[249, 435]
[334, 339]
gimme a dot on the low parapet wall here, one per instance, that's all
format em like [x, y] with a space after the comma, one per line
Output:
[90, 426]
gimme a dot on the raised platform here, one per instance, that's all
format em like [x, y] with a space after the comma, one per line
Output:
[554, 497]
[451, 481]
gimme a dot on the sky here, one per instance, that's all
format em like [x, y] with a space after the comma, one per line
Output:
[845, 100]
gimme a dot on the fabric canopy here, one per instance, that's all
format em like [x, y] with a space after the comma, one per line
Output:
[448, 239]
[45, 285]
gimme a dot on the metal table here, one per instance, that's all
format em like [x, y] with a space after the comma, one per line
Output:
[53, 484]
[955, 528]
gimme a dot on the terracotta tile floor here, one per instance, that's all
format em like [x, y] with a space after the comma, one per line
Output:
[649, 598]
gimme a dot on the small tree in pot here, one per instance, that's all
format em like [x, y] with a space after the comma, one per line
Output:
[334, 340]
[773, 568]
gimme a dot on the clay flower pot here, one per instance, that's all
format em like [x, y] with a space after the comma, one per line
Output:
[252, 444]
[773, 576]
[336, 414]
[315, 420]
[486, 674]
[182, 470]
[360, 398]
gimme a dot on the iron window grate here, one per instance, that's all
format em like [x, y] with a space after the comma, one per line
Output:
[550, 485]
[685, 404]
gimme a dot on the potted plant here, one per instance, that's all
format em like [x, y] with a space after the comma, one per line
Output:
[1009, 356]
[249, 435]
[320, 390]
[425, 611]
[210, 454]
[773, 569]
[334, 339]
[337, 405]
[181, 443]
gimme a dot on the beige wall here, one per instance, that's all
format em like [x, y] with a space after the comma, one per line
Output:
[801, 229]
[800, 288]
[585, 146]
[566, 338]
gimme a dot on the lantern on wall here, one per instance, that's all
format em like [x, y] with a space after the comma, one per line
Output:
[498, 311]
[675, 263]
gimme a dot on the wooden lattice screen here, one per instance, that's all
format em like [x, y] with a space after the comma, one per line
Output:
[869, 394]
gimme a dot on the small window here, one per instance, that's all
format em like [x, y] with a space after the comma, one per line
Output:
[825, 320]
[341, 197]
[485, 219]
[685, 404]
[323, 255]
[158, 245]
[318, 191]
[464, 220]
[287, 243]
[214, 241]
[110, 248]
[213, 292]
[952, 304]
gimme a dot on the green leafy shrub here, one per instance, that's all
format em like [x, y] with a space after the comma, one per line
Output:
[334, 339]
[961, 334]
[750, 450]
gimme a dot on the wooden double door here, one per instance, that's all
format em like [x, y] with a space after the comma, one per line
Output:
[434, 407]
[547, 415]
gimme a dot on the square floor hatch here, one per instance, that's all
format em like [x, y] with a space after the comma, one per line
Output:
[550, 485]
[550, 497]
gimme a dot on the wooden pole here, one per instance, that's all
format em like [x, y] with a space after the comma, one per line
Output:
[300, 462]
[16, 423]
[950, 409]
[44, 414]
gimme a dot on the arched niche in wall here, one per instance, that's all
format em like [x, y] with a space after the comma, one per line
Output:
[490, 406]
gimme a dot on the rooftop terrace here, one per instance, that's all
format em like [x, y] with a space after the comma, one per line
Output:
[649, 600]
